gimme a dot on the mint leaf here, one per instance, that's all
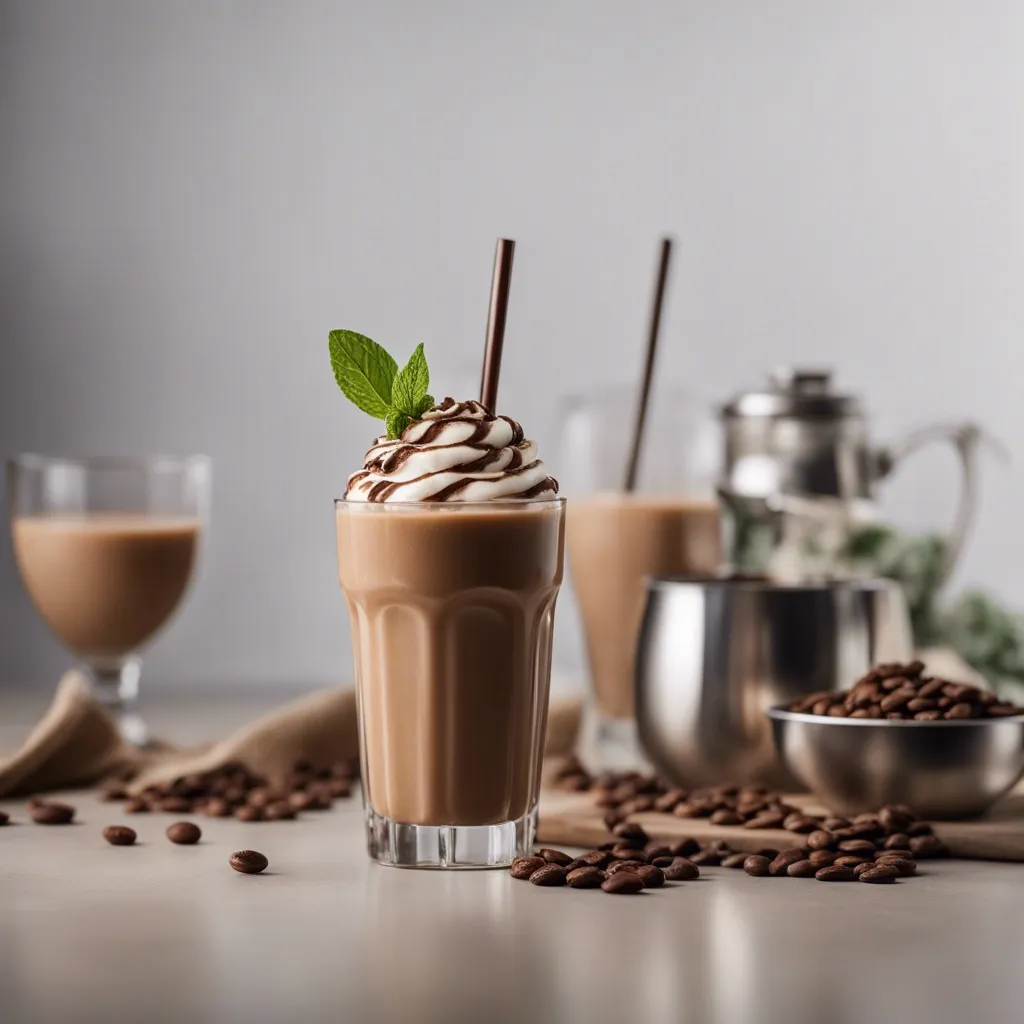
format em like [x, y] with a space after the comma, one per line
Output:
[396, 422]
[411, 384]
[364, 371]
[425, 403]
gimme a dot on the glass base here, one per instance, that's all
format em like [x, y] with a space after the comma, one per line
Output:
[618, 742]
[448, 846]
[116, 689]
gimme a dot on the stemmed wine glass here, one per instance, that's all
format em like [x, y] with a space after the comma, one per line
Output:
[106, 547]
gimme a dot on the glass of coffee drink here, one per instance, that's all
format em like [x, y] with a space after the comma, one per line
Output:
[670, 523]
[106, 548]
[450, 550]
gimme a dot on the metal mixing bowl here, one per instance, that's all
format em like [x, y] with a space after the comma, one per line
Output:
[954, 769]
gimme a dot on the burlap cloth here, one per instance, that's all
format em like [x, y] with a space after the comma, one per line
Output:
[76, 743]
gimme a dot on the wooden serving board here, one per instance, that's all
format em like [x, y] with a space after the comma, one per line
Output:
[571, 819]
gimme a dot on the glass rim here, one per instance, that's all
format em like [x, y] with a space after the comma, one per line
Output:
[449, 506]
[37, 460]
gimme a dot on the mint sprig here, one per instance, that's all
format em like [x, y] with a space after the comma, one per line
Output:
[370, 379]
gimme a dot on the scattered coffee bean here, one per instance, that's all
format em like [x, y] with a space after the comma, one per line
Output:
[549, 876]
[822, 840]
[249, 862]
[680, 870]
[707, 858]
[623, 865]
[652, 877]
[897, 841]
[928, 846]
[766, 819]
[780, 865]
[629, 833]
[919, 828]
[523, 867]
[625, 883]
[554, 856]
[878, 876]
[136, 806]
[596, 858]
[119, 835]
[906, 868]
[836, 874]
[726, 817]
[800, 823]
[757, 865]
[184, 833]
[628, 853]
[802, 869]
[850, 860]
[858, 846]
[684, 847]
[51, 813]
[889, 854]
[585, 878]
[822, 858]
[734, 860]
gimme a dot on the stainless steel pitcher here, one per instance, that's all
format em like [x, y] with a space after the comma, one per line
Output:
[801, 474]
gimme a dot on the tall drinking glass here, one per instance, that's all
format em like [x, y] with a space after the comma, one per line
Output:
[668, 524]
[452, 611]
[106, 548]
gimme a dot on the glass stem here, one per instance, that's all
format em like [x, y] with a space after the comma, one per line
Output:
[116, 689]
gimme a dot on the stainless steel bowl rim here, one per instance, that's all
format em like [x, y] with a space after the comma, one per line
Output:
[891, 723]
[670, 580]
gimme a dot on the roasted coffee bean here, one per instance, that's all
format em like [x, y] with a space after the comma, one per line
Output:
[850, 860]
[801, 824]
[523, 867]
[136, 806]
[866, 866]
[114, 792]
[175, 805]
[961, 710]
[734, 860]
[667, 801]
[596, 858]
[767, 851]
[894, 852]
[184, 833]
[656, 849]
[611, 819]
[878, 876]
[906, 868]
[719, 846]
[249, 813]
[927, 716]
[625, 883]
[217, 807]
[689, 810]
[726, 817]
[119, 835]
[629, 853]
[684, 847]
[919, 828]
[835, 873]
[51, 813]
[876, 869]
[707, 858]
[835, 822]
[857, 846]
[623, 865]
[554, 856]
[662, 862]
[585, 878]
[248, 862]
[280, 810]
[766, 819]
[680, 870]
[549, 876]
[757, 865]
[629, 833]
[781, 863]
[897, 841]
[652, 877]
[638, 805]
[928, 846]
[822, 840]
[802, 869]
[576, 862]
[822, 858]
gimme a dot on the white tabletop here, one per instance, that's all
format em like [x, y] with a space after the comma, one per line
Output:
[152, 933]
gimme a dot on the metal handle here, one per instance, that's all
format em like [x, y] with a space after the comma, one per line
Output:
[965, 439]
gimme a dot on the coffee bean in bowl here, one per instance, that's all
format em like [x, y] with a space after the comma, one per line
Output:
[868, 745]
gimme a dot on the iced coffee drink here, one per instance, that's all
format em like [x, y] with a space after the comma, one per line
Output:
[450, 547]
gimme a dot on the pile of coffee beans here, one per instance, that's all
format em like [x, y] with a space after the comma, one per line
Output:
[236, 791]
[629, 864]
[904, 692]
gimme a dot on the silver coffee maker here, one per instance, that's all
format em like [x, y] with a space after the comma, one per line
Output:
[801, 473]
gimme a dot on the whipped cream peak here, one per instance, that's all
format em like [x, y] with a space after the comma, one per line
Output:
[457, 451]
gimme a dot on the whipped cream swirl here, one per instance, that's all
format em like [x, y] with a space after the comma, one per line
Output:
[458, 451]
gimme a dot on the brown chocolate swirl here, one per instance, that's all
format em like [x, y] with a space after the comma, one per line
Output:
[458, 451]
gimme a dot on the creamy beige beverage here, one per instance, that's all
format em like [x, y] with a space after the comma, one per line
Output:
[614, 541]
[452, 613]
[105, 583]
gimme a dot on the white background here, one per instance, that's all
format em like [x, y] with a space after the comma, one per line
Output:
[192, 193]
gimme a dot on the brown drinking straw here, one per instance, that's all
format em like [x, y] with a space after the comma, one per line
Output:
[496, 316]
[645, 384]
